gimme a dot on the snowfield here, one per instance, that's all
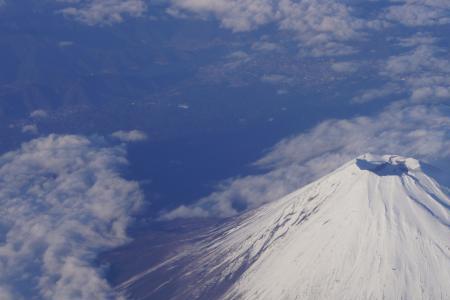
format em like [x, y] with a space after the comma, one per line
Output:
[376, 228]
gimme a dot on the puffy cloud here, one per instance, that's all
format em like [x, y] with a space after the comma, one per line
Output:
[424, 72]
[419, 12]
[103, 12]
[419, 131]
[130, 136]
[39, 113]
[62, 200]
[238, 15]
[420, 72]
[421, 59]
[321, 26]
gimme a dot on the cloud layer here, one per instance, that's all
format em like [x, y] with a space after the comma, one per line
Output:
[419, 12]
[415, 69]
[321, 27]
[62, 201]
[103, 12]
[423, 71]
[420, 131]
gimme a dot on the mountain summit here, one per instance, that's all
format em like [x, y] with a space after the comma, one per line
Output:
[376, 228]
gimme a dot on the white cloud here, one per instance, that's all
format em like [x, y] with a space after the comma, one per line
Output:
[431, 92]
[130, 136]
[183, 106]
[419, 12]
[30, 128]
[380, 93]
[418, 40]
[238, 55]
[39, 113]
[104, 12]
[237, 15]
[265, 46]
[62, 201]
[424, 72]
[419, 131]
[423, 58]
[321, 26]
[421, 73]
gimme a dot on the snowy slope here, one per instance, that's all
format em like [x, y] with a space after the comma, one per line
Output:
[376, 228]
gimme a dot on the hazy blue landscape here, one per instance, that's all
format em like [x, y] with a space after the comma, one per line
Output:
[128, 124]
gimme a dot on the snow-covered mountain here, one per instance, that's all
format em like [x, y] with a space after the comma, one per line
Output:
[376, 228]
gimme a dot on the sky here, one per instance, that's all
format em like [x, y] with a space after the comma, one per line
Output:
[115, 113]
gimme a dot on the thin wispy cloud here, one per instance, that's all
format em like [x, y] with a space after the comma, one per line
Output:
[39, 114]
[130, 136]
[30, 129]
[378, 94]
[344, 67]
